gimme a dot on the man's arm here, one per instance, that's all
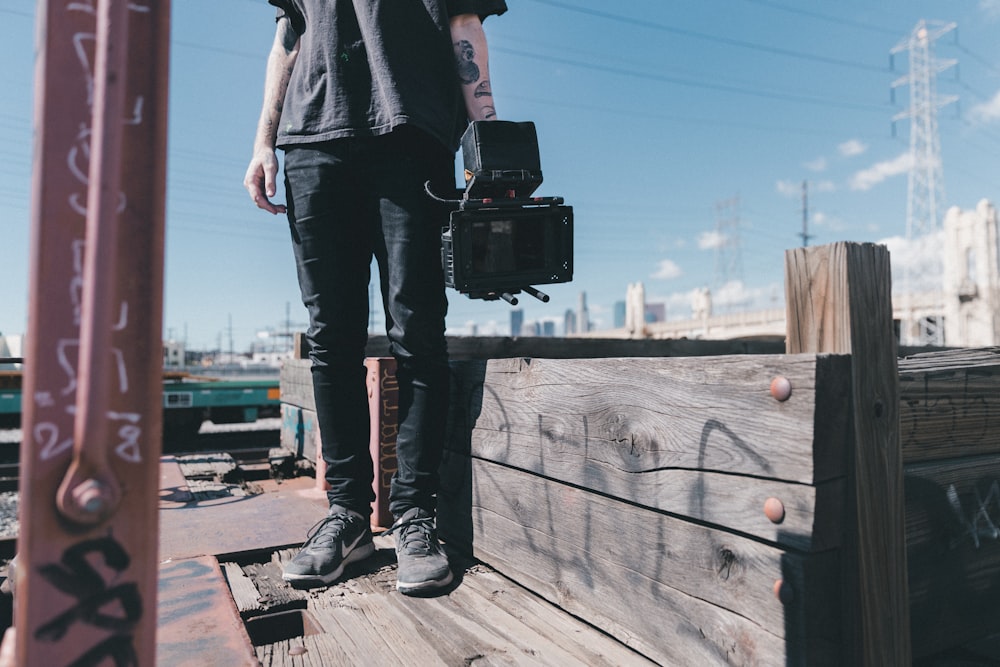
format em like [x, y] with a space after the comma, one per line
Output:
[471, 58]
[260, 177]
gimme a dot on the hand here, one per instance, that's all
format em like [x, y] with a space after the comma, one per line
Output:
[259, 180]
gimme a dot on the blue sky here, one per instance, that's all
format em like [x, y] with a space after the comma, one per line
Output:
[651, 115]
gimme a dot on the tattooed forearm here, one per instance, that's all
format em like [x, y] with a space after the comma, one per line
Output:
[465, 57]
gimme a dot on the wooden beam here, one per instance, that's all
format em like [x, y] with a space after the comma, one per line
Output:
[838, 299]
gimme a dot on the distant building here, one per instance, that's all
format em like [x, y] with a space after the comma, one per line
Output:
[549, 328]
[971, 277]
[582, 315]
[656, 312]
[569, 322]
[619, 315]
[516, 322]
[173, 354]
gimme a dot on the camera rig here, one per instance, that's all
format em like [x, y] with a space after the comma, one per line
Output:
[500, 240]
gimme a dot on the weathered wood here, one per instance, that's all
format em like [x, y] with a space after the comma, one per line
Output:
[676, 591]
[699, 438]
[299, 431]
[462, 348]
[950, 404]
[272, 592]
[245, 594]
[953, 551]
[838, 299]
[295, 380]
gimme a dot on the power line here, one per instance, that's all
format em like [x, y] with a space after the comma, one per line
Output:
[826, 17]
[787, 97]
[662, 27]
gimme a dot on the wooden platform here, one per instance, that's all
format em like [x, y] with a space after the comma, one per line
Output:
[236, 610]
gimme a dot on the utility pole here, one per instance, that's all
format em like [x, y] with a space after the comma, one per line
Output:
[728, 259]
[805, 215]
[925, 186]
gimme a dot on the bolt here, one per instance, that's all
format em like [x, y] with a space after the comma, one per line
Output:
[92, 496]
[781, 388]
[774, 510]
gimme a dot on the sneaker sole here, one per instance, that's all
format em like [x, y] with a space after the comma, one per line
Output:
[356, 554]
[424, 586]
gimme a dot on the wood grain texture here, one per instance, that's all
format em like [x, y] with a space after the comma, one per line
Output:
[953, 551]
[696, 437]
[838, 299]
[639, 415]
[295, 381]
[676, 591]
[950, 404]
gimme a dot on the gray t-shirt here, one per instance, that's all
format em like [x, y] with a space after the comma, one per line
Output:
[367, 66]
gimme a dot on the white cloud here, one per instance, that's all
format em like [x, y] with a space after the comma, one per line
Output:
[819, 164]
[991, 7]
[788, 188]
[667, 270]
[711, 240]
[987, 111]
[868, 178]
[823, 186]
[852, 147]
[918, 260]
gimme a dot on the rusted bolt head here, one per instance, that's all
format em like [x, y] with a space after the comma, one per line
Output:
[781, 388]
[92, 496]
[783, 591]
[774, 510]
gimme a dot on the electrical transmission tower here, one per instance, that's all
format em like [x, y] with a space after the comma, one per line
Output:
[925, 186]
[728, 253]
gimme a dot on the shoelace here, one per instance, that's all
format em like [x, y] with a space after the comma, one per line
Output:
[415, 536]
[319, 535]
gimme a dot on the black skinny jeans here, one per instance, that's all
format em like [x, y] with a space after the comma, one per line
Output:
[349, 199]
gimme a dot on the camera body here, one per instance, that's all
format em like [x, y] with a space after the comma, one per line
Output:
[500, 240]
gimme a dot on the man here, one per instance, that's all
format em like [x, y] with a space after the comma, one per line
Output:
[368, 100]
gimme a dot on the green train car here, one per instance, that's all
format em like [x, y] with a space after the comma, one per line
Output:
[187, 401]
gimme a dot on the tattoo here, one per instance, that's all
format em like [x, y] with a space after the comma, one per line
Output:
[483, 90]
[289, 38]
[465, 58]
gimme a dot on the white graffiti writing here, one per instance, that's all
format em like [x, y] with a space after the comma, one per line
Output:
[981, 525]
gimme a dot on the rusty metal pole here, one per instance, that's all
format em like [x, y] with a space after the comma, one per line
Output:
[85, 583]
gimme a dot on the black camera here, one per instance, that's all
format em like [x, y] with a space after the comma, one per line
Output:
[500, 240]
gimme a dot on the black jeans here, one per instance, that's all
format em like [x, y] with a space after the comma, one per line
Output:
[349, 199]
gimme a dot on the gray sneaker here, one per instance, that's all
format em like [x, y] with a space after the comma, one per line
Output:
[340, 538]
[423, 566]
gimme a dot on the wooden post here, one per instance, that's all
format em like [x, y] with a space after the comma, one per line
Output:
[839, 301]
[85, 581]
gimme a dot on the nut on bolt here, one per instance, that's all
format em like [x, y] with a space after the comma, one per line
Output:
[92, 496]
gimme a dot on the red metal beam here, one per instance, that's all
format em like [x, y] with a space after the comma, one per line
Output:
[86, 577]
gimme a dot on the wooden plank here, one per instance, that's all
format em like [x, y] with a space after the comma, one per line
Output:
[245, 594]
[638, 415]
[953, 551]
[838, 299]
[669, 434]
[536, 347]
[273, 592]
[300, 431]
[295, 381]
[678, 592]
[950, 404]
